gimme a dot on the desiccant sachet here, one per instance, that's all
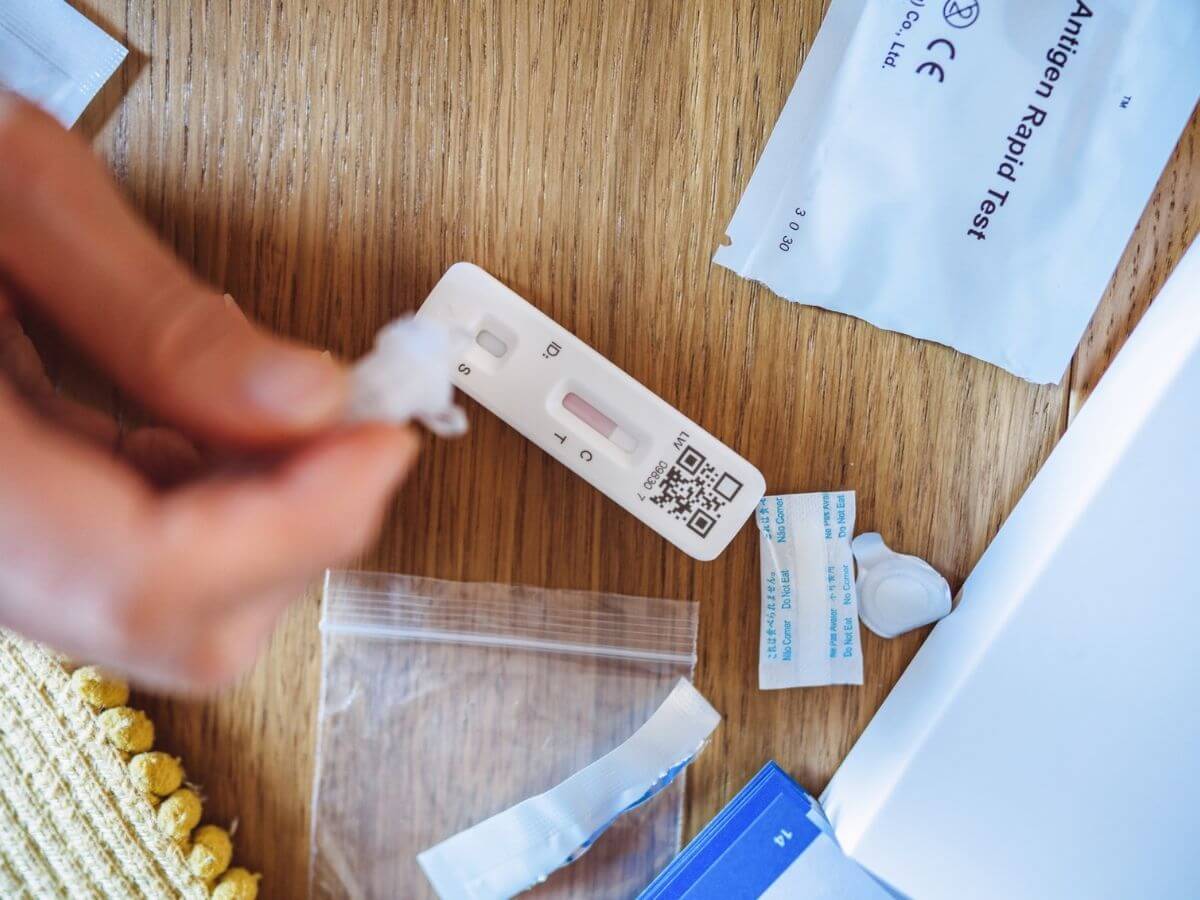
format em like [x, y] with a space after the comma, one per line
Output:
[809, 634]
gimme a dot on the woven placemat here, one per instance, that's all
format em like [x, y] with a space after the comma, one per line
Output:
[72, 823]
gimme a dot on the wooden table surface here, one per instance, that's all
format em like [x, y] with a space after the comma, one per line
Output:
[326, 161]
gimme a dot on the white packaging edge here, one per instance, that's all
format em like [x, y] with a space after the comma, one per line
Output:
[71, 42]
[807, 100]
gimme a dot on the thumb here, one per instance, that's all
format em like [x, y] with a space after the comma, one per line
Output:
[207, 369]
[77, 253]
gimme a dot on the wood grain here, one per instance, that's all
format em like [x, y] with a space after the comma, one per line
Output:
[326, 161]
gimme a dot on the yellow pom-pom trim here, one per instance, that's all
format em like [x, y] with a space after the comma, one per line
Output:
[237, 884]
[211, 852]
[156, 773]
[99, 689]
[179, 814]
[127, 729]
[158, 776]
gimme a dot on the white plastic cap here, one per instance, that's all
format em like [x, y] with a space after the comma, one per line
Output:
[896, 592]
[407, 376]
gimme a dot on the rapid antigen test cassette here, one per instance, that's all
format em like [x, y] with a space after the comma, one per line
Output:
[595, 419]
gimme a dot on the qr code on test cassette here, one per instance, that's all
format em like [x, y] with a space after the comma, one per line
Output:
[695, 492]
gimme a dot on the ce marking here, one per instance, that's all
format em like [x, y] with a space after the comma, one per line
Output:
[935, 69]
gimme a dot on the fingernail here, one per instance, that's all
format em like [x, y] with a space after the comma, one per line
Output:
[300, 388]
[232, 306]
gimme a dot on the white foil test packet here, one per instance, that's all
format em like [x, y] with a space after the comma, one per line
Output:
[809, 634]
[519, 847]
[53, 56]
[969, 172]
[406, 376]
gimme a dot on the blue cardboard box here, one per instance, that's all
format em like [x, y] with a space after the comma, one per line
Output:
[772, 840]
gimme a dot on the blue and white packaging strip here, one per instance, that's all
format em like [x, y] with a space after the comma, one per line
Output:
[772, 841]
[521, 846]
[809, 633]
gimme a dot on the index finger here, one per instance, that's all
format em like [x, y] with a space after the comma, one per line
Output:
[76, 250]
[104, 567]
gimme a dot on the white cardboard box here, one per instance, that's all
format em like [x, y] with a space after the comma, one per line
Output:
[1045, 741]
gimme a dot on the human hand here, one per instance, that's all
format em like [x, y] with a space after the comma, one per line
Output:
[179, 585]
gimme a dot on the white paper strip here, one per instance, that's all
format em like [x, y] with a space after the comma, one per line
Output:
[519, 847]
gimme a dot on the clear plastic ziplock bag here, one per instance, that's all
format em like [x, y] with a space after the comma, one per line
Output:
[444, 703]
